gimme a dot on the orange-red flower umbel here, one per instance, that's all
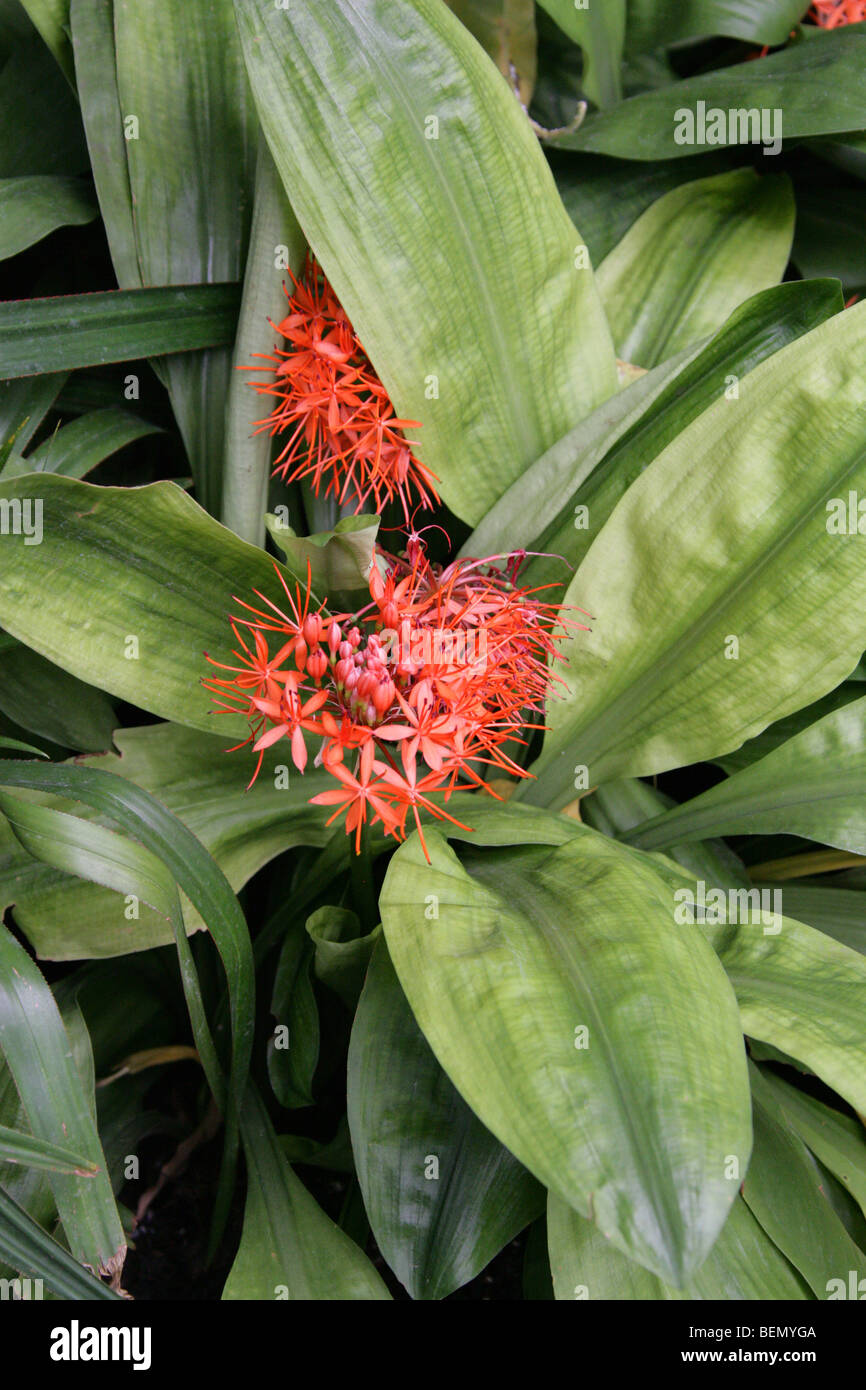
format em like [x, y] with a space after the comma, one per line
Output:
[421, 688]
[830, 14]
[343, 432]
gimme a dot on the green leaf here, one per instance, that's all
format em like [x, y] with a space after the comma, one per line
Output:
[37, 1051]
[92, 28]
[600, 32]
[443, 1196]
[289, 1248]
[17, 745]
[532, 505]
[47, 701]
[248, 455]
[796, 988]
[180, 71]
[51, 18]
[37, 1153]
[756, 607]
[808, 89]
[783, 1191]
[33, 206]
[604, 197]
[86, 330]
[839, 912]
[25, 1246]
[743, 1264]
[594, 466]
[192, 869]
[165, 574]
[190, 774]
[342, 953]
[24, 403]
[487, 333]
[40, 124]
[813, 786]
[340, 561]
[651, 25]
[620, 1099]
[293, 1046]
[692, 258]
[828, 237]
[76, 448]
[838, 1140]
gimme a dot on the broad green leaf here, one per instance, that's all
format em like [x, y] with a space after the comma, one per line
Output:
[692, 258]
[443, 1196]
[192, 776]
[784, 729]
[744, 1264]
[533, 502]
[25, 1246]
[604, 196]
[617, 807]
[37, 1051]
[599, 29]
[180, 71]
[651, 25]
[759, 328]
[342, 951]
[732, 604]
[16, 1147]
[434, 214]
[596, 1040]
[48, 701]
[289, 1248]
[783, 1191]
[506, 31]
[31, 207]
[797, 989]
[811, 88]
[339, 561]
[276, 241]
[85, 330]
[838, 1140]
[840, 912]
[74, 449]
[164, 574]
[813, 786]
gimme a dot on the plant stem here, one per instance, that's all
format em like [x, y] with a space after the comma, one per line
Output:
[366, 902]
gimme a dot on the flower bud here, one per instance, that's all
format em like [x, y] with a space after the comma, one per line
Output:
[335, 638]
[312, 629]
[383, 695]
[317, 664]
[346, 649]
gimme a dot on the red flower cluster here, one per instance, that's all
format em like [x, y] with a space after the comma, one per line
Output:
[343, 429]
[423, 686]
[830, 14]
